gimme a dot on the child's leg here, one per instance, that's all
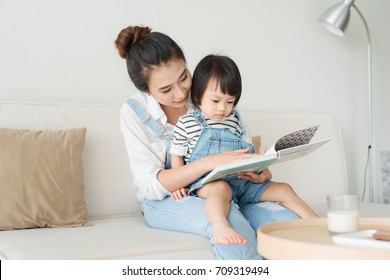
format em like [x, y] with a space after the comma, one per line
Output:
[284, 193]
[217, 206]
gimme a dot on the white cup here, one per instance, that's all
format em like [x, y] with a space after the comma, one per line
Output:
[343, 213]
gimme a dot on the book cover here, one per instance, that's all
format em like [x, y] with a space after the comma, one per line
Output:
[291, 146]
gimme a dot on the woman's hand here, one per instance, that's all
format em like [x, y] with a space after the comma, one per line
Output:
[262, 177]
[180, 193]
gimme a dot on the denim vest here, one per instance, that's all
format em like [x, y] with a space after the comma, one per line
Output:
[216, 140]
[157, 128]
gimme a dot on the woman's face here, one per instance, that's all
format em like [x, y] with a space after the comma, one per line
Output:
[170, 83]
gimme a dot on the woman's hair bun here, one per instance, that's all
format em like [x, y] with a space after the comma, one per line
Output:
[129, 36]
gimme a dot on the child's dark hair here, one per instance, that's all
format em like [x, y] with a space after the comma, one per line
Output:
[143, 51]
[223, 70]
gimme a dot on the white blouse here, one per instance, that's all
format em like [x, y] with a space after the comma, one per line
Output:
[146, 151]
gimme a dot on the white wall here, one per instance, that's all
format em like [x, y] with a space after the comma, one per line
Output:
[63, 51]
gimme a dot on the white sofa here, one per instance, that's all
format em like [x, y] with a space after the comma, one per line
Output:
[118, 230]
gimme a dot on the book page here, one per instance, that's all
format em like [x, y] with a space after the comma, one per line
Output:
[296, 138]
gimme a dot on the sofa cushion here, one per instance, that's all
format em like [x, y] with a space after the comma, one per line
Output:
[109, 238]
[41, 178]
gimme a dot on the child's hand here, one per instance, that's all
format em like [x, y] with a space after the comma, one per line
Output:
[180, 193]
[216, 160]
[260, 178]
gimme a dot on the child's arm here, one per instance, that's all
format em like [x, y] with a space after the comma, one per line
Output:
[179, 145]
[177, 161]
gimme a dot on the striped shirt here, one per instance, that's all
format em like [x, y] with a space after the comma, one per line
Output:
[187, 132]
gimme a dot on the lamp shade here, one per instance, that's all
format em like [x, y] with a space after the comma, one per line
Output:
[336, 18]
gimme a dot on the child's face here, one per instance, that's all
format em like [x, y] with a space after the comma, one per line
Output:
[214, 104]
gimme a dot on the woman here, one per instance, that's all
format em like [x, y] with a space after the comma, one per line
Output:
[157, 67]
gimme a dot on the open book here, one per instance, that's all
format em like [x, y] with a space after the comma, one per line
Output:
[291, 146]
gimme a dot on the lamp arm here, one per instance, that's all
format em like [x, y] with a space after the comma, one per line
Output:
[369, 167]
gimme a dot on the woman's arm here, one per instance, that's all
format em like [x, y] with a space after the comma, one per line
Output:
[173, 179]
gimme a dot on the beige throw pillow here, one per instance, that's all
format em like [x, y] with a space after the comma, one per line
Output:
[256, 141]
[41, 178]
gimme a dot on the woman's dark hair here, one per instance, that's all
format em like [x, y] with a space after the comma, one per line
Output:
[145, 50]
[221, 69]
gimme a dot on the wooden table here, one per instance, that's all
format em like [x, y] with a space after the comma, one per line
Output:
[309, 239]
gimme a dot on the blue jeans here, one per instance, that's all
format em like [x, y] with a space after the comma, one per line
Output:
[188, 215]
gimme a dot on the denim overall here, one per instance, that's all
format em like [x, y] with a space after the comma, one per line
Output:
[188, 215]
[157, 129]
[218, 140]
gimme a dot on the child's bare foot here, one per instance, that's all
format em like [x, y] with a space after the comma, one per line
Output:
[226, 235]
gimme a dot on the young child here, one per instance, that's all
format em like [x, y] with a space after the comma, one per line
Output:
[214, 127]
